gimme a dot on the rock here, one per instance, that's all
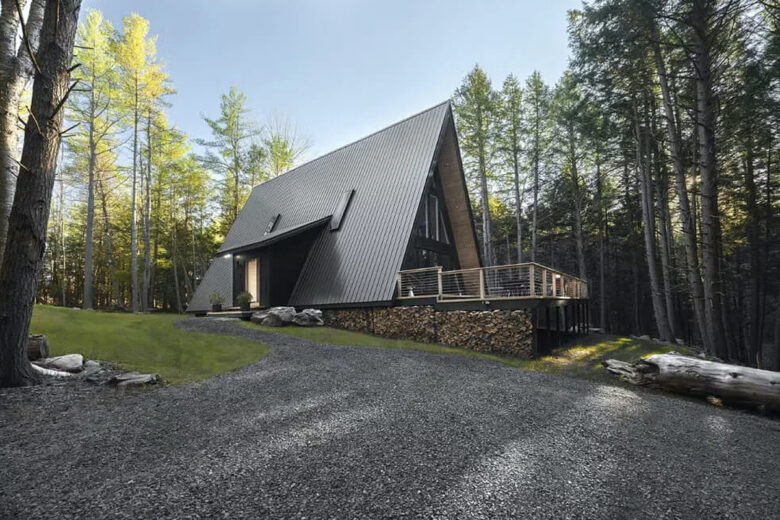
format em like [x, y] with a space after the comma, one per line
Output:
[68, 363]
[679, 341]
[644, 337]
[37, 347]
[274, 317]
[308, 318]
[92, 371]
[134, 379]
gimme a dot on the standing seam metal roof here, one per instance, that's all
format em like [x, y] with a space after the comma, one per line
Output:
[358, 263]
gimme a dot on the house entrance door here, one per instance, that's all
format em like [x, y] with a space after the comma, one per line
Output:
[252, 281]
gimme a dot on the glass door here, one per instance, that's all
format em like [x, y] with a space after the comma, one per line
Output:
[252, 280]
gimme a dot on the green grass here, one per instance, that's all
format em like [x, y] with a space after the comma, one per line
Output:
[144, 342]
[580, 359]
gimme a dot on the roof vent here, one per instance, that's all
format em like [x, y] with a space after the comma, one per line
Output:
[272, 223]
[341, 209]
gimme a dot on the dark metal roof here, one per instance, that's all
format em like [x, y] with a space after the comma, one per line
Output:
[279, 234]
[358, 263]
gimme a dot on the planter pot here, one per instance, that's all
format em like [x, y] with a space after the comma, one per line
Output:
[244, 306]
[216, 307]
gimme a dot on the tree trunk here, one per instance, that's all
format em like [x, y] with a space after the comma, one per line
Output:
[580, 243]
[648, 217]
[63, 260]
[662, 196]
[753, 324]
[16, 68]
[695, 376]
[536, 144]
[114, 299]
[518, 206]
[687, 219]
[777, 332]
[601, 238]
[88, 298]
[705, 124]
[133, 223]
[487, 255]
[30, 211]
[147, 216]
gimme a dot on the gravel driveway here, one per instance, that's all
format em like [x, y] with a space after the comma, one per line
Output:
[338, 432]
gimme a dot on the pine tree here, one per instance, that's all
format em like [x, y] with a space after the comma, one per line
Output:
[475, 105]
[510, 144]
[537, 123]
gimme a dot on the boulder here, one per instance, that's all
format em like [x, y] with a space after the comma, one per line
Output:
[308, 318]
[274, 317]
[644, 337]
[68, 363]
[133, 379]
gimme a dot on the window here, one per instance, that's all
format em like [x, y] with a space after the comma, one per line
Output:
[431, 222]
[272, 224]
[341, 209]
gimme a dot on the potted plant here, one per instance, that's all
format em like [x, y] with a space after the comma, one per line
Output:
[216, 300]
[243, 300]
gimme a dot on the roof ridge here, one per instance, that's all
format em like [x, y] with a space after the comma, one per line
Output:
[291, 170]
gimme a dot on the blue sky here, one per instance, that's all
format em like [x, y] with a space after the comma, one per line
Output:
[342, 69]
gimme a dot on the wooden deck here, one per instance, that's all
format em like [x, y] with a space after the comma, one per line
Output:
[504, 282]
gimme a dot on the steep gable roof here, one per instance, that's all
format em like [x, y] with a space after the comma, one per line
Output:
[357, 263]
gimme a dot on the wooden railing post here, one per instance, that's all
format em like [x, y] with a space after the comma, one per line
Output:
[544, 282]
[531, 281]
[399, 285]
[441, 286]
[482, 284]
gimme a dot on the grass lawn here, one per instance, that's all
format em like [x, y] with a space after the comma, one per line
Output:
[581, 359]
[144, 342]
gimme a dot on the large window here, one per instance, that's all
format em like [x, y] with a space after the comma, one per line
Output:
[431, 245]
[432, 223]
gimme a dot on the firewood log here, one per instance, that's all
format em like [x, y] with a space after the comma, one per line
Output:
[37, 347]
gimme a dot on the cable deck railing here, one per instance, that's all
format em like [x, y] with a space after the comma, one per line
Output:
[502, 282]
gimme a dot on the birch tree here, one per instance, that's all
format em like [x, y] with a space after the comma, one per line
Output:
[16, 69]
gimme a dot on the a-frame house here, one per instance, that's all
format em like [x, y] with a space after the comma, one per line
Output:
[336, 231]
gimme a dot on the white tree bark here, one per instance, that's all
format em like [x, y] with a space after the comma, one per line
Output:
[16, 68]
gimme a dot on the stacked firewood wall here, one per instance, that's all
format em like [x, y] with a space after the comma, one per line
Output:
[497, 331]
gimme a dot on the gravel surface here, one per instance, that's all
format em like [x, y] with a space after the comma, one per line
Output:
[316, 431]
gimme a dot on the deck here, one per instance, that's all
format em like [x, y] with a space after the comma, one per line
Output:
[504, 282]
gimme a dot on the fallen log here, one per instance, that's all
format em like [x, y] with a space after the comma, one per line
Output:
[37, 347]
[52, 373]
[695, 376]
